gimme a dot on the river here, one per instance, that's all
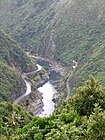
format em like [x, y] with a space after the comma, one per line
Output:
[47, 91]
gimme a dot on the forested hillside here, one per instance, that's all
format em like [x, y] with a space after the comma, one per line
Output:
[26, 20]
[13, 61]
[62, 30]
[12, 54]
[11, 84]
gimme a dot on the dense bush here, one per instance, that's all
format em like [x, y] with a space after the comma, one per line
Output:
[68, 122]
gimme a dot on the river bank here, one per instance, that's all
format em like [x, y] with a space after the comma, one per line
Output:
[56, 66]
[43, 93]
[33, 102]
[40, 93]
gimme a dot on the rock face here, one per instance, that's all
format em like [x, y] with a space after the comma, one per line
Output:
[33, 102]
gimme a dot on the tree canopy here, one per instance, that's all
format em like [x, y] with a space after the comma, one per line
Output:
[80, 117]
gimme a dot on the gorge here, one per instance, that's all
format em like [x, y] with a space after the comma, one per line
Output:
[47, 91]
[52, 54]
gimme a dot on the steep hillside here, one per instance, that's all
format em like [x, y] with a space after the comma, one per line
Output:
[80, 36]
[62, 30]
[26, 20]
[11, 84]
[79, 30]
[95, 65]
[12, 54]
[13, 60]
[65, 31]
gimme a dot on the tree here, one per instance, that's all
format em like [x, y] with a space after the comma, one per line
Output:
[86, 97]
[2, 137]
[96, 125]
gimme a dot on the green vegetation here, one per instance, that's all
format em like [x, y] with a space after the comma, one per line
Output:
[80, 35]
[95, 65]
[82, 117]
[87, 96]
[13, 60]
[12, 54]
[63, 31]
[11, 118]
[10, 83]
[26, 21]
[60, 30]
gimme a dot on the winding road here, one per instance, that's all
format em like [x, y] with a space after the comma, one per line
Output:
[47, 91]
[70, 74]
[28, 86]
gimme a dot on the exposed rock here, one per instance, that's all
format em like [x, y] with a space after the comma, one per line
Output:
[33, 102]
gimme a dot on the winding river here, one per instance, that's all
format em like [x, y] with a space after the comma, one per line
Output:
[47, 91]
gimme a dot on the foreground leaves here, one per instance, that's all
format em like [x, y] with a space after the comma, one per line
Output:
[72, 120]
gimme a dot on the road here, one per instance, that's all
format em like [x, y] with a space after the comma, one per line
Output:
[28, 86]
[70, 74]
